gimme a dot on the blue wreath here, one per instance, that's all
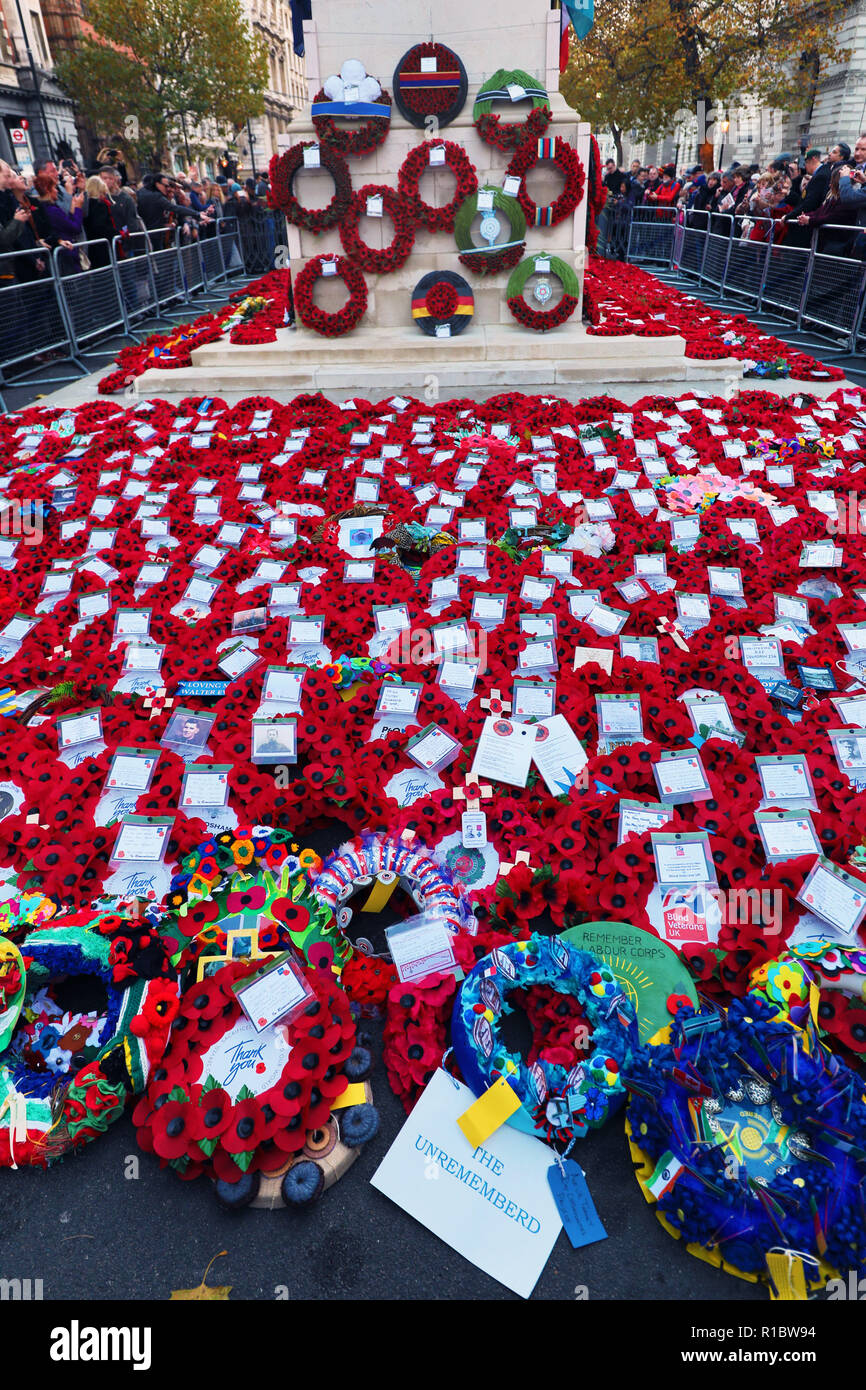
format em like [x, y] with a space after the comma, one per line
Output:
[594, 1088]
[810, 1205]
[49, 962]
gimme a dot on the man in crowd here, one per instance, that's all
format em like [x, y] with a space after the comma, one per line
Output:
[819, 186]
[158, 210]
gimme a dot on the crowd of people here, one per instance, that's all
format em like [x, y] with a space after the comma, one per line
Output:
[61, 209]
[793, 197]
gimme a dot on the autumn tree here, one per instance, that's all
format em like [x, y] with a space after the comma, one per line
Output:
[643, 65]
[146, 69]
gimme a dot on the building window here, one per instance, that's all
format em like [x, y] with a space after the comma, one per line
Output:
[39, 37]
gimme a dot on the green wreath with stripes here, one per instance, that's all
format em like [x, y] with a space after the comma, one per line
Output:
[511, 134]
[542, 320]
[487, 260]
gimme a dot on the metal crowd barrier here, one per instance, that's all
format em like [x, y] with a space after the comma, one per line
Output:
[49, 304]
[819, 287]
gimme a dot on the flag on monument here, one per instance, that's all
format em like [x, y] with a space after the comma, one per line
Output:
[580, 14]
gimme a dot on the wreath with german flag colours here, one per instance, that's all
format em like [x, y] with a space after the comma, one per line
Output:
[442, 299]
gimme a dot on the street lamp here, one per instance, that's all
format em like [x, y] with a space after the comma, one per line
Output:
[724, 126]
[252, 140]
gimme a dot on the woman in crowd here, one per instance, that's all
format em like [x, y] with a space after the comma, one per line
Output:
[63, 229]
[100, 224]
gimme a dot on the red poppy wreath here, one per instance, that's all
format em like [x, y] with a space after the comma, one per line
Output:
[430, 80]
[553, 151]
[227, 1100]
[332, 325]
[378, 260]
[413, 167]
[284, 168]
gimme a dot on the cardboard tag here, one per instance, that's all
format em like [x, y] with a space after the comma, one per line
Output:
[489, 1113]
[574, 1204]
[312, 157]
[788, 1277]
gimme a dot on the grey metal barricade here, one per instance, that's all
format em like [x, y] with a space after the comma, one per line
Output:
[166, 267]
[227, 231]
[212, 255]
[717, 249]
[191, 263]
[836, 283]
[692, 249]
[93, 298]
[32, 316]
[786, 278]
[651, 234]
[747, 260]
[131, 255]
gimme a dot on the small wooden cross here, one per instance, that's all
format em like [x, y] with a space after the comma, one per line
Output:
[495, 704]
[521, 857]
[472, 793]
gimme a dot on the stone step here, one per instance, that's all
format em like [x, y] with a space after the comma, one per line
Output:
[374, 381]
[492, 343]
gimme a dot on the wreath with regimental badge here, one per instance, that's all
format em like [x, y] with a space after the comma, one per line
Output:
[487, 260]
[514, 86]
[541, 320]
[748, 1136]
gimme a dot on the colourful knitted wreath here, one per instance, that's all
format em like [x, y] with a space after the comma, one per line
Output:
[592, 1089]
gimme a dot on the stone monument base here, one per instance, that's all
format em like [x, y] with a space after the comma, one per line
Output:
[485, 360]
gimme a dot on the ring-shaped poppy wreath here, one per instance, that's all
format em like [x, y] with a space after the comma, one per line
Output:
[378, 260]
[282, 171]
[367, 133]
[744, 1132]
[839, 973]
[592, 1088]
[69, 1055]
[227, 1100]
[542, 320]
[442, 304]
[430, 80]
[371, 862]
[254, 881]
[417, 161]
[341, 321]
[551, 151]
[488, 260]
[514, 86]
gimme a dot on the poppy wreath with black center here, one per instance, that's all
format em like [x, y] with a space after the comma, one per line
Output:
[420, 93]
[282, 172]
[190, 1121]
